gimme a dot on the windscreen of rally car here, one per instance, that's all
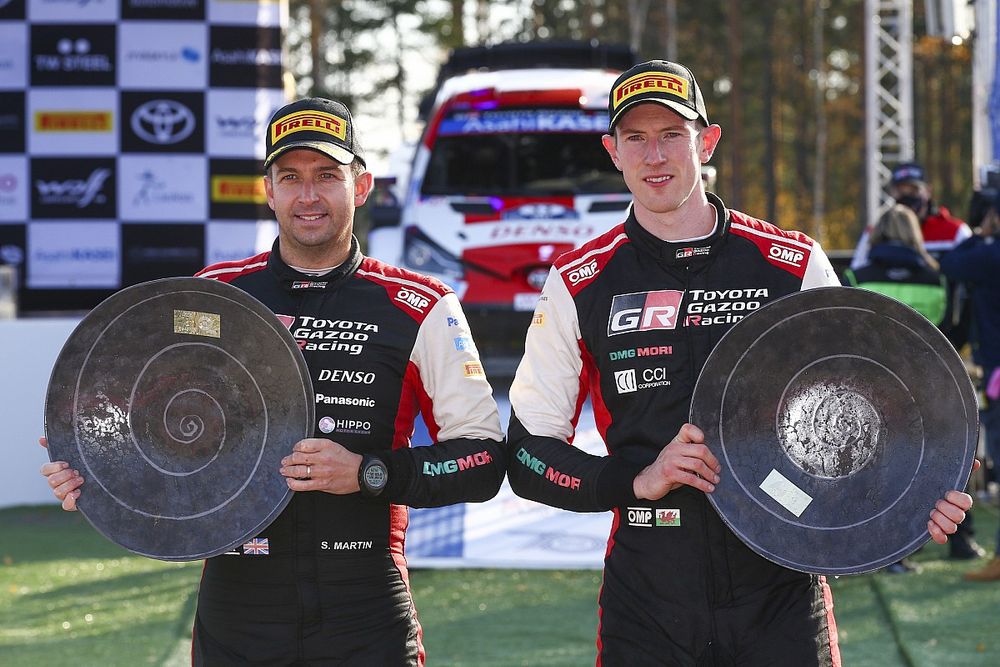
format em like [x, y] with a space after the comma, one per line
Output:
[521, 152]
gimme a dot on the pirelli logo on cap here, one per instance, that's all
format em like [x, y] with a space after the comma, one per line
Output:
[315, 121]
[649, 82]
[73, 121]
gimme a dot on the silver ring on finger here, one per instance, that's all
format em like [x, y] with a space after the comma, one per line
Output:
[308, 471]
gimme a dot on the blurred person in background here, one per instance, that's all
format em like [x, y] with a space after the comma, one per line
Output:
[686, 591]
[976, 263]
[900, 267]
[940, 229]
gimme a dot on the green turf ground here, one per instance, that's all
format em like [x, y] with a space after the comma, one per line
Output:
[68, 596]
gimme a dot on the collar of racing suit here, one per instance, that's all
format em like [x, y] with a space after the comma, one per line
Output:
[681, 252]
[295, 281]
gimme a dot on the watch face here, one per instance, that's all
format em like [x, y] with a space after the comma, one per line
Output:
[376, 475]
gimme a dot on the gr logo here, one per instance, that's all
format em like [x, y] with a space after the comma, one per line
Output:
[640, 516]
[644, 311]
[625, 381]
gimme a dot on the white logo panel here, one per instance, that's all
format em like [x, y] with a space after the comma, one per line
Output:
[237, 119]
[73, 11]
[230, 241]
[168, 188]
[240, 12]
[73, 254]
[162, 55]
[13, 188]
[72, 121]
[13, 56]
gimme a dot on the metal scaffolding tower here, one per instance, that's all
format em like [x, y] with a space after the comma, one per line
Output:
[888, 96]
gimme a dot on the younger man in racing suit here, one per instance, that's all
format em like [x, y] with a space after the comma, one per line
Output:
[630, 318]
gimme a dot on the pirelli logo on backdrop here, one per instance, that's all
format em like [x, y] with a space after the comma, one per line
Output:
[235, 189]
[647, 82]
[73, 121]
[315, 121]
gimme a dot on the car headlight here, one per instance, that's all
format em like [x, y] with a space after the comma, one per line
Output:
[422, 254]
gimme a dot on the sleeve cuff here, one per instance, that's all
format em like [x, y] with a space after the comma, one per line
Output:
[614, 483]
[400, 466]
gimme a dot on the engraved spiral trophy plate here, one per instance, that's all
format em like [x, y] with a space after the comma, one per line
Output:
[839, 416]
[176, 399]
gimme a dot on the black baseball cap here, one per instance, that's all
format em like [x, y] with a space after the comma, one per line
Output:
[317, 123]
[660, 81]
[907, 172]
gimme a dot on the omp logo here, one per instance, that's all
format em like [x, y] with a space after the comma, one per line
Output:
[640, 516]
[238, 190]
[786, 255]
[73, 121]
[625, 381]
[414, 300]
[316, 121]
[74, 191]
[163, 122]
[644, 311]
[581, 273]
[641, 83]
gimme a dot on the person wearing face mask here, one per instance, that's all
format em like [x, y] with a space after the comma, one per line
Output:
[942, 231]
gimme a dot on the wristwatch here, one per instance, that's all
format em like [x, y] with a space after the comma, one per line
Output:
[373, 475]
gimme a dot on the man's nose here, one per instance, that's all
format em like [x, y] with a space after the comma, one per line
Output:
[309, 191]
[654, 153]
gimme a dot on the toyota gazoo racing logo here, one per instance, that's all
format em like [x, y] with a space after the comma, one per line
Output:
[785, 255]
[414, 300]
[644, 311]
[163, 122]
[581, 273]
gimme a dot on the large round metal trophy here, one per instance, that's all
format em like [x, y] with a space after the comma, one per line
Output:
[839, 416]
[176, 400]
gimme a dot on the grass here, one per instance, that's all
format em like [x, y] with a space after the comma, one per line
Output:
[67, 595]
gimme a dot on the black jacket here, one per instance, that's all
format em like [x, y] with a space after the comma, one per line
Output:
[630, 320]
[381, 344]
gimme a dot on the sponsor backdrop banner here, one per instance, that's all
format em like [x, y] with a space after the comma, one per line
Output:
[131, 137]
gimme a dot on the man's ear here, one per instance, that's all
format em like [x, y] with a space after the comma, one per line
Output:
[611, 146]
[709, 138]
[269, 188]
[363, 184]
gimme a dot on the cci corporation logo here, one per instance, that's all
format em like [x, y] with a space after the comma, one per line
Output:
[163, 122]
[625, 381]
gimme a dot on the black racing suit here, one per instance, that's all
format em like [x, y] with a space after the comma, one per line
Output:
[631, 320]
[326, 583]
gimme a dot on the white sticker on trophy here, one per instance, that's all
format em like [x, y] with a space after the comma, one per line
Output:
[785, 493]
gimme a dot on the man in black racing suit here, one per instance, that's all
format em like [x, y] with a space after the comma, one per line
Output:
[630, 318]
[326, 582]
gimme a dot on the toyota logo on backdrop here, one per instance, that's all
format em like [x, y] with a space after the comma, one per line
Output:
[163, 122]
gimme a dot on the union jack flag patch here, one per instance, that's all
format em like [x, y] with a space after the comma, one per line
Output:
[256, 547]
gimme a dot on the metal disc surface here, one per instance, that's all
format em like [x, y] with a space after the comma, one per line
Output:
[176, 399]
[839, 416]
